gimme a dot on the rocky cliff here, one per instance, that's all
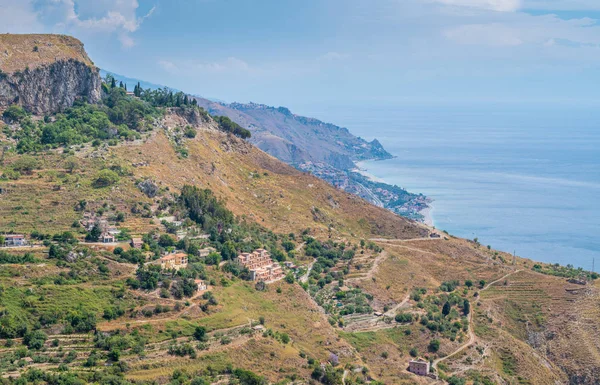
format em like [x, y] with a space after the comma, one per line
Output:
[46, 73]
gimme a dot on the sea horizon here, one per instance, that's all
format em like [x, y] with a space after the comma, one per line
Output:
[522, 179]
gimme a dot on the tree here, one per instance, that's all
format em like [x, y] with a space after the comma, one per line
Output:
[434, 346]
[446, 308]
[106, 178]
[468, 283]
[200, 333]
[466, 307]
[289, 278]
[94, 234]
[35, 339]
[482, 284]
[414, 352]
[14, 113]
[25, 164]
[456, 381]
[71, 164]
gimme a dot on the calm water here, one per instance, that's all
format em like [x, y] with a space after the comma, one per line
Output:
[519, 178]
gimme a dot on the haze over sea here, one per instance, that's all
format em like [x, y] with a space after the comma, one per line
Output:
[520, 178]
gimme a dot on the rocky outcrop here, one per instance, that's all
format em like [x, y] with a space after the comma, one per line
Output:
[46, 73]
[51, 88]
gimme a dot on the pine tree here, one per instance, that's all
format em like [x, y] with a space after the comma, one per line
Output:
[185, 100]
[120, 84]
[113, 82]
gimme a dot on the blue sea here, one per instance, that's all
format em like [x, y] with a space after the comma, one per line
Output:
[521, 178]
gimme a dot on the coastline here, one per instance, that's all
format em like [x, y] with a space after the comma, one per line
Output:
[427, 212]
[428, 216]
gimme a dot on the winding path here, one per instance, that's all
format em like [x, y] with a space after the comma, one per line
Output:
[472, 337]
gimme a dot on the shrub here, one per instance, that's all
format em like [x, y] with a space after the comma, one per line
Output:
[106, 178]
[14, 113]
[404, 318]
[25, 164]
[434, 346]
[190, 132]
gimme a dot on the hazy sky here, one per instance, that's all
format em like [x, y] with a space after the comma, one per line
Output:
[297, 52]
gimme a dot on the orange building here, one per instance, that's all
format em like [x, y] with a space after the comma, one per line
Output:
[261, 266]
[174, 261]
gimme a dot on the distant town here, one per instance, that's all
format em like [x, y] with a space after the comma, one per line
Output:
[391, 197]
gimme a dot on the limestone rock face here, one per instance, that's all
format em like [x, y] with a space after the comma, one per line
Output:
[46, 73]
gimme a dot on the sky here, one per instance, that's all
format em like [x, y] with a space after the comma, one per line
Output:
[344, 52]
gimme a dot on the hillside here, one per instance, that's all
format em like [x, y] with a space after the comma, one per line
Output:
[363, 290]
[296, 139]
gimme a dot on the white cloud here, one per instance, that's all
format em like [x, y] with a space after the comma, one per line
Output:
[100, 16]
[524, 29]
[494, 5]
[493, 34]
[562, 5]
[333, 56]
[18, 17]
[229, 65]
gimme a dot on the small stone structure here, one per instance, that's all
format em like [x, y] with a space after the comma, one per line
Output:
[419, 367]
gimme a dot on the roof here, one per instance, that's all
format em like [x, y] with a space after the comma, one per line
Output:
[173, 256]
[14, 236]
[136, 240]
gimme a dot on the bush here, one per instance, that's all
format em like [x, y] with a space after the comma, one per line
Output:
[404, 318]
[190, 132]
[106, 178]
[434, 346]
[25, 164]
[14, 113]
[35, 339]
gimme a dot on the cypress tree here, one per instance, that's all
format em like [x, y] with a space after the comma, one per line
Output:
[113, 82]
[446, 309]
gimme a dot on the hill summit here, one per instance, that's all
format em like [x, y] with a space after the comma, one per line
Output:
[46, 73]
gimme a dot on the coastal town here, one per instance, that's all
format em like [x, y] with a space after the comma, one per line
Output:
[391, 197]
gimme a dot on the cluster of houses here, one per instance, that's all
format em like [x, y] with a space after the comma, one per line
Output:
[178, 261]
[261, 266]
[109, 233]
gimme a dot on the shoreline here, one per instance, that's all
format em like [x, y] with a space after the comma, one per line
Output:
[428, 216]
[427, 212]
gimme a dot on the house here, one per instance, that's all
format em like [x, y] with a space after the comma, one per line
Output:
[201, 285]
[419, 367]
[261, 266]
[14, 240]
[174, 261]
[290, 265]
[113, 231]
[107, 238]
[136, 243]
[207, 250]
